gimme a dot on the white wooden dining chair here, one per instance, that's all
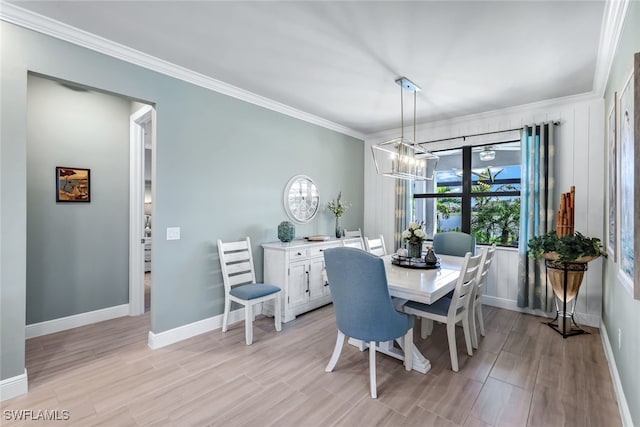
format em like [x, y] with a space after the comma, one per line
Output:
[353, 233]
[451, 311]
[375, 246]
[236, 262]
[353, 242]
[475, 303]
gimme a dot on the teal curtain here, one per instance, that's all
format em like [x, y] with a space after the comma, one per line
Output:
[536, 213]
[403, 211]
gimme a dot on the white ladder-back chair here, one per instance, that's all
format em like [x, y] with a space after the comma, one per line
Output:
[375, 246]
[476, 296]
[236, 262]
[451, 311]
[353, 242]
[353, 233]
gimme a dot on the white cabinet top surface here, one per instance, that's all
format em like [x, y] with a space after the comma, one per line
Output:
[299, 244]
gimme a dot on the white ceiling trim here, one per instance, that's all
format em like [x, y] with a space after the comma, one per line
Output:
[533, 106]
[612, 22]
[36, 22]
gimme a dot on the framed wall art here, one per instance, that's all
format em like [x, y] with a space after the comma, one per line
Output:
[612, 222]
[73, 184]
[627, 194]
[636, 165]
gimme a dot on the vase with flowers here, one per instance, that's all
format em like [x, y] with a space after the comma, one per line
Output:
[414, 235]
[338, 207]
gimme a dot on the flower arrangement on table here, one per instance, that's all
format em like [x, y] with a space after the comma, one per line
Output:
[414, 235]
[338, 207]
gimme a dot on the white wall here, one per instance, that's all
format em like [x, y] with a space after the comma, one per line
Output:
[580, 150]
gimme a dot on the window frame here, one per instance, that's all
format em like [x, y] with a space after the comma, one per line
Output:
[467, 183]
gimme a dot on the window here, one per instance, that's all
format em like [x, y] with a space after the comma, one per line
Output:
[475, 190]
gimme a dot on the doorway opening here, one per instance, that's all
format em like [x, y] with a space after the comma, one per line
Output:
[141, 193]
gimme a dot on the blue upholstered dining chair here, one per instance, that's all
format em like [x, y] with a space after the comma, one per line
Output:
[236, 263]
[358, 283]
[454, 243]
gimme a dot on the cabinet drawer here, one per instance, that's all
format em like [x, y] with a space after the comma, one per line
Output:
[319, 251]
[298, 254]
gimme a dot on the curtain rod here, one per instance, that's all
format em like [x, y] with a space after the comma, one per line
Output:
[479, 134]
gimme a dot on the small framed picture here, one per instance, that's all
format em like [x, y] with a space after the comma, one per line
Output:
[613, 180]
[73, 184]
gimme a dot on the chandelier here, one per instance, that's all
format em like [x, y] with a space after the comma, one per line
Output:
[401, 157]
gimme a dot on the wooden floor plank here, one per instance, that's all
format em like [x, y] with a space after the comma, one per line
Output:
[523, 373]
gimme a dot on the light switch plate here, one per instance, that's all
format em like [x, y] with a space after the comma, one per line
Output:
[173, 233]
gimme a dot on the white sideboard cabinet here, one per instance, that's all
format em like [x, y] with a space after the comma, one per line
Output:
[298, 269]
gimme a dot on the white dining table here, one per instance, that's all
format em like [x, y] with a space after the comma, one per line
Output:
[421, 285]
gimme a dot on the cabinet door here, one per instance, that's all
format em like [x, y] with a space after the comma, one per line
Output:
[317, 280]
[298, 292]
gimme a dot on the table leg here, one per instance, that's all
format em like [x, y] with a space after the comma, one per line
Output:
[426, 327]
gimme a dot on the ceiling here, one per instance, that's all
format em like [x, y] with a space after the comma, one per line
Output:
[338, 60]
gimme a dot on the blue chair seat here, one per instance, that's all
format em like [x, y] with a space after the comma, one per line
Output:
[440, 307]
[253, 291]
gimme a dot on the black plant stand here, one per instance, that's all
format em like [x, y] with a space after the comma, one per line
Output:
[569, 327]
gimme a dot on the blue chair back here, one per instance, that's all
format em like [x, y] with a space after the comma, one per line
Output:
[454, 243]
[360, 293]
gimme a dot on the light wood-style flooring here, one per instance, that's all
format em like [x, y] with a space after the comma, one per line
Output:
[523, 374]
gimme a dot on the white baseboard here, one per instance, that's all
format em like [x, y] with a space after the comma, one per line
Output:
[615, 377]
[172, 336]
[507, 304]
[70, 322]
[500, 303]
[13, 387]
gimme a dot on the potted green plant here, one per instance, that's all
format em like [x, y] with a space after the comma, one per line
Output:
[571, 248]
[571, 253]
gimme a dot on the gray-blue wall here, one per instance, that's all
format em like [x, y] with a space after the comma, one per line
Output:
[78, 253]
[221, 167]
[619, 309]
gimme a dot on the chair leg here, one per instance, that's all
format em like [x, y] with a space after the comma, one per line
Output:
[480, 319]
[467, 333]
[225, 316]
[248, 323]
[426, 327]
[372, 369]
[336, 352]
[453, 350]
[474, 332]
[277, 312]
[408, 350]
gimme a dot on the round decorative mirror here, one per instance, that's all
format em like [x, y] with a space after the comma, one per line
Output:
[301, 199]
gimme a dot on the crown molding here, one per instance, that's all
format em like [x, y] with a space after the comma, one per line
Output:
[610, 31]
[42, 24]
[522, 109]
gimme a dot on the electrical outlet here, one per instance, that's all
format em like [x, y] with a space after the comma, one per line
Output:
[619, 338]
